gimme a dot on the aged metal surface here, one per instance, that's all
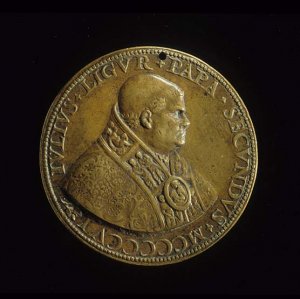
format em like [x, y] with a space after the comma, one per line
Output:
[148, 155]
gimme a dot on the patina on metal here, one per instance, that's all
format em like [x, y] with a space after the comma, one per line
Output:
[148, 155]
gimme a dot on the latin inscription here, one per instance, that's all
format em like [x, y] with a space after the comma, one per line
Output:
[241, 142]
[193, 73]
[57, 137]
[144, 248]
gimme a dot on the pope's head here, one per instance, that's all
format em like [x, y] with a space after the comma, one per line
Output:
[154, 109]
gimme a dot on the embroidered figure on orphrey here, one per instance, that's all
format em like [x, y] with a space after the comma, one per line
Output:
[133, 175]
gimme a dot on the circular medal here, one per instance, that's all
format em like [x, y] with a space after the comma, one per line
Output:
[148, 155]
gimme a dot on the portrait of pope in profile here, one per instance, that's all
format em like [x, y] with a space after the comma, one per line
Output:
[133, 175]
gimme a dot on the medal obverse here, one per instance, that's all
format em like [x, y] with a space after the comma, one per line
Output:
[148, 155]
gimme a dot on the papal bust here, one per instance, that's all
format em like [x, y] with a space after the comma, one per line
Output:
[133, 176]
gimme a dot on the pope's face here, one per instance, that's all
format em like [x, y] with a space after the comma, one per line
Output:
[170, 124]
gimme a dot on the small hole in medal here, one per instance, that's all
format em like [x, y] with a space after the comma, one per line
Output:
[162, 56]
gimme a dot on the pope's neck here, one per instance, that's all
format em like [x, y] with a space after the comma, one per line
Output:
[149, 139]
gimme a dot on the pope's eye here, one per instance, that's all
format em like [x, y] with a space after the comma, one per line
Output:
[178, 113]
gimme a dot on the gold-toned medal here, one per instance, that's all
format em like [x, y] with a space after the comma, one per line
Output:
[148, 155]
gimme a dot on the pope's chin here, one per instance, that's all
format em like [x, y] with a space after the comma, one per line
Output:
[180, 139]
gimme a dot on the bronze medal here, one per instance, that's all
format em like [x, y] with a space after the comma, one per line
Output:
[148, 155]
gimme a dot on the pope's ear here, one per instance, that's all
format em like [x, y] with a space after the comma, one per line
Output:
[145, 119]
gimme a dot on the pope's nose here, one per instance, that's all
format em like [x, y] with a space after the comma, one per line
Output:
[185, 121]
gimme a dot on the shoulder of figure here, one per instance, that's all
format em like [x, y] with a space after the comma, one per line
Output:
[93, 160]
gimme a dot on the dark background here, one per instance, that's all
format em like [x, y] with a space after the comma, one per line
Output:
[257, 53]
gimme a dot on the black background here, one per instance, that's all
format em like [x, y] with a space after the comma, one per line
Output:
[257, 53]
